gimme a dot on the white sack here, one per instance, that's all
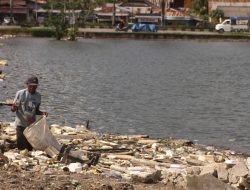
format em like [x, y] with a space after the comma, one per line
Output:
[39, 135]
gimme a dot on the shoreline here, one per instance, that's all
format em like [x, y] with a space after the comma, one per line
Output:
[160, 35]
[131, 161]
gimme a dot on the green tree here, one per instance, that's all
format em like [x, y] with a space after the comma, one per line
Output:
[58, 23]
[217, 14]
[199, 7]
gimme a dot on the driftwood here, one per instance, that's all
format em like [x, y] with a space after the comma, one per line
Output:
[121, 157]
[150, 163]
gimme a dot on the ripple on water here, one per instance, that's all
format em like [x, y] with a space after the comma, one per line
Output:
[196, 90]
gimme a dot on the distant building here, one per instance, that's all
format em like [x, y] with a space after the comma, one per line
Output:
[20, 10]
[173, 3]
[16, 8]
[139, 7]
[105, 13]
[239, 8]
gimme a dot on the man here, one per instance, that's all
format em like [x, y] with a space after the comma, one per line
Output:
[26, 105]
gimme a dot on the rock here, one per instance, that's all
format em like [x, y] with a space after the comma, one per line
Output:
[210, 148]
[10, 131]
[112, 174]
[219, 158]
[123, 186]
[209, 169]
[181, 142]
[104, 187]
[56, 130]
[194, 170]
[239, 169]
[76, 141]
[194, 162]
[139, 174]
[232, 178]
[230, 163]
[206, 182]
[248, 163]
[174, 177]
[149, 176]
[206, 158]
[222, 174]
[244, 182]
[65, 141]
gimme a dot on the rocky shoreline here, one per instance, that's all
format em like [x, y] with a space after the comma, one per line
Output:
[125, 162]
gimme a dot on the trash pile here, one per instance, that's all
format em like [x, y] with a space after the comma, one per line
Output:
[134, 158]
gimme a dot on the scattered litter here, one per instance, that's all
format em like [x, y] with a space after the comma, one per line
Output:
[135, 158]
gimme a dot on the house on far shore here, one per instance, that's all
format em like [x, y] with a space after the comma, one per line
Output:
[105, 13]
[20, 10]
[142, 11]
[181, 17]
[240, 8]
[147, 11]
[175, 4]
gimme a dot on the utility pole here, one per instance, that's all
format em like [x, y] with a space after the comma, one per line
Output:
[36, 9]
[163, 6]
[113, 18]
[11, 11]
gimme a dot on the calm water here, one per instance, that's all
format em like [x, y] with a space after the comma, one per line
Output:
[195, 90]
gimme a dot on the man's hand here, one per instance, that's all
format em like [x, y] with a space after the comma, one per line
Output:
[13, 107]
[45, 114]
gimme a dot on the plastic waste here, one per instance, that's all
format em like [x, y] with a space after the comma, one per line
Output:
[169, 153]
[75, 167]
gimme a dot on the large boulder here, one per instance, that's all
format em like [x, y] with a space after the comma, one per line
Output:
[207, 182]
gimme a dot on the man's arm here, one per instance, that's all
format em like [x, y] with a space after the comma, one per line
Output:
[38, 112]
[15, 102]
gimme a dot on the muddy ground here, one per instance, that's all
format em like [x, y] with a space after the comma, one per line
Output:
[16, 179]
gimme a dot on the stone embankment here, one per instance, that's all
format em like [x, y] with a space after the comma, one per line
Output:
[176, 34]
[179, 164]
[163, 35]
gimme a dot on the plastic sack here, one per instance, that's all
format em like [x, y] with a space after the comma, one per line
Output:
[39, 135]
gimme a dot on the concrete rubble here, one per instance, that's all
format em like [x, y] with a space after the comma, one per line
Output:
[135, 158]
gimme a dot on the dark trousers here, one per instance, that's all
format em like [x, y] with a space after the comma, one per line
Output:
[22, 142]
